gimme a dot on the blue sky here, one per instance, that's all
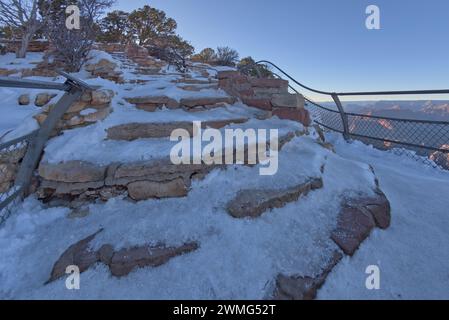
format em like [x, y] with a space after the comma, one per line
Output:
[324, 43]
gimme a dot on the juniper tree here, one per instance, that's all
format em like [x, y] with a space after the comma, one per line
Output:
[247, 66]
[73, 46]
[115, 28]
[226, 56]
[206, 55]
[23, 20]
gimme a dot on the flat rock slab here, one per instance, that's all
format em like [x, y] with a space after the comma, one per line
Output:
[143, 190]
[252, 203]
[121, 262]
[151, 103]
[78, 255]
[357, 217]
[126, 260]
[134, 131]
[72, 171]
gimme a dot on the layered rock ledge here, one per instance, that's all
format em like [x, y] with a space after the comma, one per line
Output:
[121, 262]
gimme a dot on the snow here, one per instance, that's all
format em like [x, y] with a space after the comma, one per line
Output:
[88, 111]
[10, 62]
[16, 120]
[164, 87]
[237, 258]
[96, 56]
[89, 144]
[412, 254]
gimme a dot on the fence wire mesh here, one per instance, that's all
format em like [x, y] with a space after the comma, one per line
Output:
[11, 155]
[422, 140]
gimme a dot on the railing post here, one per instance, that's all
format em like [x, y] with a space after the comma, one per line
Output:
[37, 144]
[344, 116]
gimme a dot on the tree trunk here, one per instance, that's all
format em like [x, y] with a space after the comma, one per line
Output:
[22, 50]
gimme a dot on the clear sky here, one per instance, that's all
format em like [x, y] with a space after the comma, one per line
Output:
[324, 43]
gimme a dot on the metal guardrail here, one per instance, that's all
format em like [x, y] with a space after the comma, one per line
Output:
[20, 157]
[423, 140]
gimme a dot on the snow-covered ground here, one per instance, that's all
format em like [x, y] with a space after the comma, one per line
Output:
[15, 117]
[9, 61]
[237, 259]
[413, 254]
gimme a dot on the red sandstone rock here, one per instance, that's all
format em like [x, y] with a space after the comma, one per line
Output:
[300, 115]
[264, 104]
[304, 288]
[121, 262]
[357, 218]
[269, 83]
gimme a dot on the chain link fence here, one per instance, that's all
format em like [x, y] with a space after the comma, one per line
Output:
[422, 140]
[11, 155]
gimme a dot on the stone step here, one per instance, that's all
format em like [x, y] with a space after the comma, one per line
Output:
[121, 262]
[356, 218]
[254, 202]
[134, 131]
[196, 87]
[153, 103]
[157, 178]
[304, 287]
[189, 81]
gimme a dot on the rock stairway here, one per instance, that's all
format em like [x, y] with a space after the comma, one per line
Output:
[223, 225]
[157, 177]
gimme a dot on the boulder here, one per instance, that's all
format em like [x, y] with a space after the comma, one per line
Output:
[101, 97]
[97, 116]
[7, 176]
[24, 99]
[43, 98]
[102, 65]
[40, 118]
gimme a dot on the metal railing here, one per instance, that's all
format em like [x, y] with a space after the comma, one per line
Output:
[20, 157]
[424, 140]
